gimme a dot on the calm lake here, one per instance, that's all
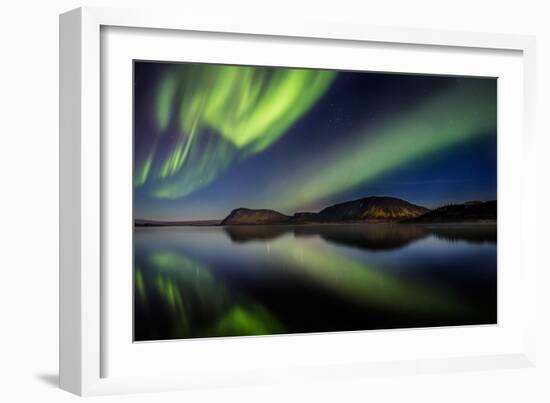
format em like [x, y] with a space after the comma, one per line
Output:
[255, 280]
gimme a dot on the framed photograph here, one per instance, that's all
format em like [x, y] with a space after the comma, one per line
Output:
[244, 203]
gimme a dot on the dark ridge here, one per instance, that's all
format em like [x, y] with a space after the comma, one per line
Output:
[369, 209]
[466, 212]
[299, 218]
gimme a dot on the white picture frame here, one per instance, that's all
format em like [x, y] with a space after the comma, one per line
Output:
[85, 344]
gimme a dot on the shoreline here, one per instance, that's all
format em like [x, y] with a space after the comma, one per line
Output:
[354, 223]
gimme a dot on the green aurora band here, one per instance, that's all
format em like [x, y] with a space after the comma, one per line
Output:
[221, 114]
[362, 283]
[186, 289]
[459, 115]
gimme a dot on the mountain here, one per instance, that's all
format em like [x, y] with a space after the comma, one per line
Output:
[300, 218]
[245, 216]
[366, 209]
[465, 212]
[372, 208]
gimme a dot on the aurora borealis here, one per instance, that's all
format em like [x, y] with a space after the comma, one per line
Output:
[211, 138]
[240, 111]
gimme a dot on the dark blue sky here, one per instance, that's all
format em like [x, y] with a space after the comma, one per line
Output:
[356, 112]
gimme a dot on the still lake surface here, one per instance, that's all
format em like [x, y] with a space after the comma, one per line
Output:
[255, 280]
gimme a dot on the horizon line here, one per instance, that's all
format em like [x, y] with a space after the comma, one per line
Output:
[292, 214]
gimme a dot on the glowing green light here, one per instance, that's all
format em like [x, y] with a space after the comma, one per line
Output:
[139, 284]
[248, 320]
[361, 283]
[241, 109]
[187, 287]
[469, 110]
[165, 98]
[143, 172]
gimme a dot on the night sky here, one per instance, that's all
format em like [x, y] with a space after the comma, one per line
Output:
[211, 138]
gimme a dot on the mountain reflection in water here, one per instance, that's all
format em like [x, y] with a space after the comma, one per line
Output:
[256, 280]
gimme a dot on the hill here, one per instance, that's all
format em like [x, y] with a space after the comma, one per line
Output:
[245, 216]
[361, 210]
[465, 212]
[372, 208]
[367, 209]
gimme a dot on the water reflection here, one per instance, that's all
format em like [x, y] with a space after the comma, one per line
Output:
[253, 280]
[176, 297]
[372, 236]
